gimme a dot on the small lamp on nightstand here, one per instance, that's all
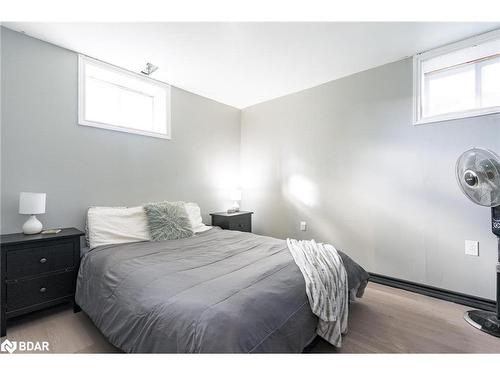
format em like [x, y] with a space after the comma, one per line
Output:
[236, 198]
[32, 204]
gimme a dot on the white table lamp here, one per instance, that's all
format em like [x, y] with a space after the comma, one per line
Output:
[32, 204]
[236, 198]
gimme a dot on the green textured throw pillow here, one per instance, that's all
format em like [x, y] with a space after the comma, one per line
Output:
[167, 221]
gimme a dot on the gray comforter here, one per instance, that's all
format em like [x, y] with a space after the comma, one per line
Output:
[217, 292]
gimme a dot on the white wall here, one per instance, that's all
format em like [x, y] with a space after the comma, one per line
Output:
[345, 157]
[44, 150]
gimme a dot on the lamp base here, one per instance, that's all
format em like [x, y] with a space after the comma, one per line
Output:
[486, 321]
[32, 225]
[235, 208]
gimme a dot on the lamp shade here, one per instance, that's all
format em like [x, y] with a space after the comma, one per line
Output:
[32, 203]
[235, 195]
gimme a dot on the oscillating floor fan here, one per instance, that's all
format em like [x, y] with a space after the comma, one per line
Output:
[478, 175]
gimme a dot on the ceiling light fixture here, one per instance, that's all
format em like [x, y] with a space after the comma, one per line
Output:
[150, 69]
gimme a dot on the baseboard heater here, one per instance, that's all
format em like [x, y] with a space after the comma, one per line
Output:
[447, 295]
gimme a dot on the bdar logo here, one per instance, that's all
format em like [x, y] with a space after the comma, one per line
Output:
[8, 346]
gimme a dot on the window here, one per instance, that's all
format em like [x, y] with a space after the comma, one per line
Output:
[113, 98]
[457, 81]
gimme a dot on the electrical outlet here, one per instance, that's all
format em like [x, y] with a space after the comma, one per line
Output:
[303, 225]
[472, 248]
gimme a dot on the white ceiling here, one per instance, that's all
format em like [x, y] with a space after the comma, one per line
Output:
[242, 64]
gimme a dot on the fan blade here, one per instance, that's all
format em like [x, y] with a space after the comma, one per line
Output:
[486, 192]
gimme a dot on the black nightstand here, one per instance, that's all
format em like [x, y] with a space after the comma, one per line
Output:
[241, 220]
[37, 271]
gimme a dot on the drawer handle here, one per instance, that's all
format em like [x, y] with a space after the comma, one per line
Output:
[43, 290]
[43, 260]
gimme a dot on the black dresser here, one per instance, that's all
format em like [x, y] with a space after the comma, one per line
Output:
[37, 271]
[241, 220]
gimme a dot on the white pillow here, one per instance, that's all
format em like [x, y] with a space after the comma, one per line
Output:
[194, 214]
[115, 225]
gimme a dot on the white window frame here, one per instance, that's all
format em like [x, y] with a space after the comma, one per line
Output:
[418, 78]
[82, 60]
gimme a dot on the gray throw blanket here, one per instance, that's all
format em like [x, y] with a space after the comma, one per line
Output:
[326, 286]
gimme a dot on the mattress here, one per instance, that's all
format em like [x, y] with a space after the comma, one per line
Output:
[219, 291]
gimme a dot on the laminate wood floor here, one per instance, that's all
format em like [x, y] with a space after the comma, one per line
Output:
[385, 320]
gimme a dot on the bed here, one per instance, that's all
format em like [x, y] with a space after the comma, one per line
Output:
[219, 291]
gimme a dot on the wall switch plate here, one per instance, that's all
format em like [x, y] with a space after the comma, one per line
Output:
[303, 225]
[472, 248]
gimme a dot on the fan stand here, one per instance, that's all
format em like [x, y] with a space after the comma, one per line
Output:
[489, 321]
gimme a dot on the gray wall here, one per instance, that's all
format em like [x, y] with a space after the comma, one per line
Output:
[345, 157]
[44, 150]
